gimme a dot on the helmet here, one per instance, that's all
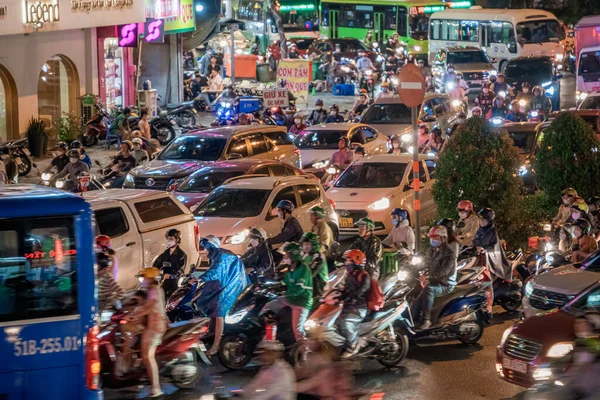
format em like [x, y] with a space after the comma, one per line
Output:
[487, 214]
[580, 205]
[366, 221]
[569, 192]
[150, 272]
[103, 261]
[450, 66]
[526, 84]
[137, 140]
[334, 107]
[459, 74]
[257, 233]
[400, 213]
[313, 239]
[425, 127]
[361, 91]
[83, 175]
[74, 153]
[356, 257]
[539, 88]
[498, 98]
[437, 232]
[465, 205]
[174, 233]
[318, 212]
[128, 143]
[210, 241]
[359, 150]
[103, 241]
[385, 84]
[583, 224]
[421, 61]
[294, 251]
[62, 145]
[476, 108]
[594, 200]
[318, 102]
[501, 75]
[286, 205]
[493, 78]
[345, 139]
[448, 223]
[76, 144]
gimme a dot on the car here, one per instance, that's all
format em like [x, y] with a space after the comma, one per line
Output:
[136, 222]
[472, 62]
[349, 48]
[374, 186]
[190, 152]
[391, 117]
[538, 71]
[591, 117]
[591, 102]
[194, 188]
[250, 201]
[302, 44]
[530, 350]
[553, 289]
[318, 142]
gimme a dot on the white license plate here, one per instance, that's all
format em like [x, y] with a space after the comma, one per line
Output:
[26, 151]
[515, 365]
[18, 161]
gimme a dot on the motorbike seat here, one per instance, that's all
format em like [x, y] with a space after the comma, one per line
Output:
[175, 329]
[372, 315]
[441, 302]
[172, 106]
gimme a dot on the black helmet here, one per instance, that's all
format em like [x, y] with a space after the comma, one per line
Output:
[174, 233]
[492, 78]
[583, 224]
[448, 223]
[595, 200]
[286, 205]
[62, 145]
[487, 214]
[103, 261]
[526, 84]
[334, 107]
[76, 144]
[74, 153]
[359, 150]
[318, 102]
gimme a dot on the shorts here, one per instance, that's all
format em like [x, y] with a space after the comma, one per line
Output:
[151, 338]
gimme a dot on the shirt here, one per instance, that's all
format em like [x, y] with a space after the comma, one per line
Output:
[324, 232]
[215, 84]
[109, 291]
[401, 233]
[157, 318]
[73, 170]
[126, 163]
[140, 156]
[364, 63]
[60, 162]
[144, 127]
[177, 260]
[341, 157]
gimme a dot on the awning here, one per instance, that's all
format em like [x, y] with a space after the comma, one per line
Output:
[204, 31]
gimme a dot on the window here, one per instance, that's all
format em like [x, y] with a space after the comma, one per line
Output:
[402, 21]
[308, 193]
[282, 170]
[356, 16]
[445, 104]
[157, 209]
[540, 31]
[257, 144]
[422, 175]
[503, 32]
[262, 171]
[285, 194]
[428, 108]
[372, 175]
[194, 147]
[238, 146]
[387, 114]
[279, 138]
[389, 17]
[469, 31]
[111, 222]
[356, 137]
[435, 27]
[325, 139]
[589, 302]
[206, 179]
[369, 134]
[38, 268]
[233, 203]
[323, 47]
[450, 30]
[438, 107]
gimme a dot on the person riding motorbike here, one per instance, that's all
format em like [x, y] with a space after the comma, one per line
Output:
[580, 209]
[227, 96]
[460, 121]
[515, 114]
[458, 93]
[276, 379]
[569, 196]
[77, 145]
[298, 126]
[468, 223]
[369, 244]
[449, 76]
[343, 156]
[539, 102]
[402, 233]
[462, 83]
[223, 283]
[258, 259]
[487, 243]
[334, 115]
[320, 227]
[583, 244]
[361, 104]
[299, 289]
[83, 183]
[424, 136]
[315, 260]
[318, 115]
[292, 230]
[121, 164]
[485, 98]
[525, 93]
[139, 154]
[60, 160]
[395, 147]
[73, 170]
[453, 242]
[359, 153]
[354, 296]
[501, 86]
[369, 39]
[364, 64]
[442, 275]
[385, 93]
[498, 109]
[171, 262]
[110, 293]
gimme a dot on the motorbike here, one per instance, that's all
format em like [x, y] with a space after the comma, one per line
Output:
[459, 106]
[96, 127]
[367, 81]
[161, 127]
[536, 116]
[330, 176]
[21, 154]
[346, 73]
[65, 183]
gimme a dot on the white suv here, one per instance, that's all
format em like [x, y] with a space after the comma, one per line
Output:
[248, 202]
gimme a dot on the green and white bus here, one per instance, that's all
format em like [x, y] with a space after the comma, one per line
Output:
[353, 18]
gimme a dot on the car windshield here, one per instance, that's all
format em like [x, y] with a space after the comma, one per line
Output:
[592, 262]
[467, 57]
[194, 147]
[325, 139]
[387, 114]
[350, 46]
[590, 103]
[303, 44]
[524, 141]
[588, 302]
[589, 63]
[372, 175]
[524, 69]
[206, 180]
[540, 31]
[233, 203]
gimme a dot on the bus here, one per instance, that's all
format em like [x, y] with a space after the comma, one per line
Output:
[410, 19]
[48, 296]
[502, 33]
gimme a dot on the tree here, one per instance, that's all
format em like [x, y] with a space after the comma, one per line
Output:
[568, 157]
[480, 165]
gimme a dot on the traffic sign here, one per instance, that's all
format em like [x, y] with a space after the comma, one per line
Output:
[411, 85]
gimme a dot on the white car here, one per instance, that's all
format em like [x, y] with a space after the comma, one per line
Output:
[249, 202]
[374, 186]
[318, 142]
[591, 101]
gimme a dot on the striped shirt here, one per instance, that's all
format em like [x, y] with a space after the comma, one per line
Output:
[109, 291]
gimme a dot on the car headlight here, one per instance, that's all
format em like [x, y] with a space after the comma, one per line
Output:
[417, 48]
[129, 178]
[559, 57]
[505, 336]
[310, 324]
[455, 103]
[321, 164]
[332, 171]
[550, 91]
[60, 184]
[416, 260]
[407, 137]
[560, 350]
[523, 170]
[410, 149]
[492, 72]
[402, 275]
[381, 204]
[528, 289]
[238, 316]
[46, 176]
[238, 237]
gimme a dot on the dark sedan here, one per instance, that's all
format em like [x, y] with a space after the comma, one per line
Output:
[538, 71]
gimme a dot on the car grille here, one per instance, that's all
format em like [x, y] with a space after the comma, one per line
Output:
[545, 300]
[354, 214]
[521, 348]
[475, 76]
[159, 183]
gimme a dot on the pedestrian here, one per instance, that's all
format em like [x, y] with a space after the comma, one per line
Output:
[143, 125]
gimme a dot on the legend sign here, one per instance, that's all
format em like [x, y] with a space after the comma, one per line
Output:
[40, 13]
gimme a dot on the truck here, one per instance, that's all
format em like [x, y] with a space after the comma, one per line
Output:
[587, 53]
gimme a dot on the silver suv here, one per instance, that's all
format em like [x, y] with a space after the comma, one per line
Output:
[472, 62]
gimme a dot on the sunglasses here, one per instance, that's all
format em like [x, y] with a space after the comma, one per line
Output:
[461, 210]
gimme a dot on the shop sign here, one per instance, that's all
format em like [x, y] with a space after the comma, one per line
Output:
[100, 5]
[154, 31]
[128, 35]
[40, 13]
[166, 9]
[276, 98]
[296, 74]
[297, 7]
[186, 20]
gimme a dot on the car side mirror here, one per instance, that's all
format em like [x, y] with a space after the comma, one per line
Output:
[234, 156]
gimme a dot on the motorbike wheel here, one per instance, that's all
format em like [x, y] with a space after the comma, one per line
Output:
[474, 335]
[25, 166]
[165, 134]
[395, 358]
[188, 381]
[236, 352]
[186, 118]
[89, 140]
[512, 303]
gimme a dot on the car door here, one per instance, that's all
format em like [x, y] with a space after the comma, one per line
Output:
[428, 207]
[273, 224]
[258, 147]
[116, 221]
[238, 148]
[373, 144]
[309, 196]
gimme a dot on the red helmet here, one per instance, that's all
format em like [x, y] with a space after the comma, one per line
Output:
[465, 205]
[357, 257]
[103, 241]
[437, 232]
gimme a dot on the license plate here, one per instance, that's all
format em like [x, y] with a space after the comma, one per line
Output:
[202, 347]
[346, 223]
[515, 365]
[26, 151]
[18, 161]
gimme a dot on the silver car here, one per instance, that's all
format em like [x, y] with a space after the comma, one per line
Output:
[472, 62]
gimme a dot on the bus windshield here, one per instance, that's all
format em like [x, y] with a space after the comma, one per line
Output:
[589, 63]
[539, 31]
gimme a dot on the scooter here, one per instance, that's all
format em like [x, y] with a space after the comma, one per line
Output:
[162, 127]
[368, 82]
[21, 154]
[96, 127]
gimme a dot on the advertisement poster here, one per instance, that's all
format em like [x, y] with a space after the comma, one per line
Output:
[276, 98]
[186, 20]
[296, 74]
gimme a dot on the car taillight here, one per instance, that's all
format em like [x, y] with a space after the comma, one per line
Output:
[197, 236]
[332, 203]
[92, 360]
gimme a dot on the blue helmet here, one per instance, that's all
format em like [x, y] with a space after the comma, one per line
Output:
[401, 213]
[286, 205]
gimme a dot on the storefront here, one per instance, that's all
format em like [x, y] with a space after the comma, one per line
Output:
[116, 70]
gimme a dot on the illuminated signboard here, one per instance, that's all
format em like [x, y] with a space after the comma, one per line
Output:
[128, 35]
[460, 4]
[40, 13]
[154, 31]
[298, 7]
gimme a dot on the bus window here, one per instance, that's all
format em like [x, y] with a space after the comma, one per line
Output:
[435, 28]
[356, 17]
[450, 30]
[503, 32]
[469, 31]
[402, 21]
[389, 16]
[540, 31]
[418, 24]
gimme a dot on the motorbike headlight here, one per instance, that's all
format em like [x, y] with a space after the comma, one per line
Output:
[238, 237]
[310, 324]
[492, 72]
[450, 85]
[528, 289]
[417, 48]
[129, 178]
[226, 105]
[560, 350]
[410, 149]
[546, 84]
[549, 258]
[407, 137]
[534, 114]
[60, 184]
[522, 103]
[381, 204]
[402, 275]
[238, 316]
[502, 94]
[497, 121]
[523, 170]
[559, 57]
[455, 103]
[395, 81]
[416, 260]
[369, 72]
[321, 164]
[548, 247]
[332, 171]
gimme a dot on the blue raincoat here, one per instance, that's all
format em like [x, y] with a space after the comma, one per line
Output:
[224, 282]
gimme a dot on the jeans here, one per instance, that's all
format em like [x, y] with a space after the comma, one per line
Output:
[299, 314]
[348, 323]
[424, 303]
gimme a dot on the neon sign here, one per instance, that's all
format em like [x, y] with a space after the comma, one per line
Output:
[460, 4]
[154, 31]
[298, 7]
[128, 35]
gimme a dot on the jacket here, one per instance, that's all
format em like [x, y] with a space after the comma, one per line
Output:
[318, 265]
[442, 266]
[496, 260]
[341, 158]
[486, 237]
[373, 251]
[295, 129]
[259, 258]
[466, 229]
[177, 260]
[317, 117]
[401, 233]
[337, 118]
[291, 232]
[299, 286]
[356, 288]
[73, 170]
[324, 232]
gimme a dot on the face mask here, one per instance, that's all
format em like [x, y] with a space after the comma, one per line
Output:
[298, 121]
[434, 243]
[280, 215]
[254, 242]
[395, 221]
[137, 147]
[566, 201]
[84, 183]
[333, 113]
[319, 108]
[171, 243]
[576, 215]
[73, 160]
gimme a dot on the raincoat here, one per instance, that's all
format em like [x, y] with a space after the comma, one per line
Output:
[226, 278]
[498, 263]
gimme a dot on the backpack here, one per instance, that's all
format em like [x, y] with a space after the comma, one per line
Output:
[375, 299]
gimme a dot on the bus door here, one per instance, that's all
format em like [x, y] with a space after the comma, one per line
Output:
[333, 23]
[379, 20]
[484, 26]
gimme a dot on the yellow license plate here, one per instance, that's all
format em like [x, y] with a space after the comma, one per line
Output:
[346, 223]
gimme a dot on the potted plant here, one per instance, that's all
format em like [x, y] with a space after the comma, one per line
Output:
[68, 127]
[37, 137]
